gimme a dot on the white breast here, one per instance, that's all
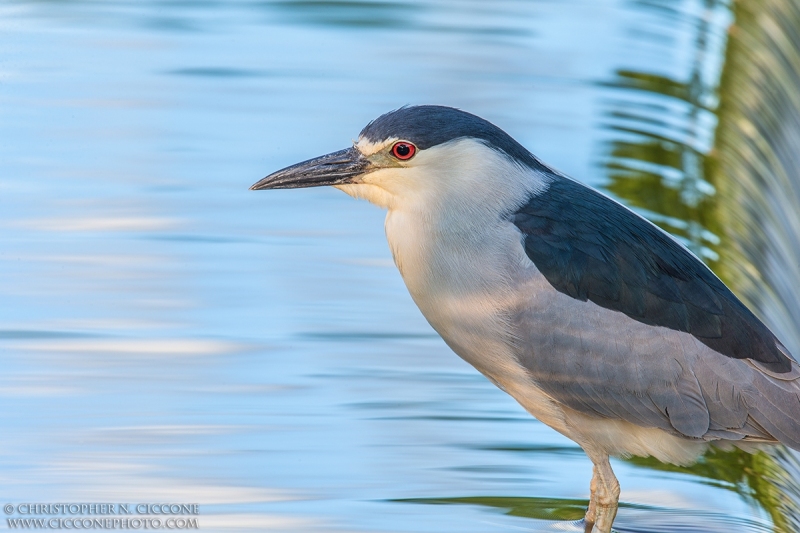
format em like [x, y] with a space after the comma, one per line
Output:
[462, 262]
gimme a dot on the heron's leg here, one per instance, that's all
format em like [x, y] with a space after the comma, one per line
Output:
[604, 497]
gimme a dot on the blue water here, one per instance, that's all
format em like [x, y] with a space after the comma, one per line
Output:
[167, 335]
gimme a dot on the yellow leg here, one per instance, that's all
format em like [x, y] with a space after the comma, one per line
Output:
[604, 498]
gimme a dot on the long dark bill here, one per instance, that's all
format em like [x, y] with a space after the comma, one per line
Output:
[331, 169]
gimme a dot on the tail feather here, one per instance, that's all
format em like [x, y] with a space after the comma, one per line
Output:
[775, 408]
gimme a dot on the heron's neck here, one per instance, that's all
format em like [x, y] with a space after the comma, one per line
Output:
[457, 258]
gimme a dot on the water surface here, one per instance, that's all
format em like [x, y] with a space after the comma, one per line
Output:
[167, 335]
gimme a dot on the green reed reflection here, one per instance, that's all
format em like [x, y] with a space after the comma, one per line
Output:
[759, 169]
[538, 508]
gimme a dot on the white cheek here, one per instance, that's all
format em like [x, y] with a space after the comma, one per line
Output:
[371, 193]
[396, 185]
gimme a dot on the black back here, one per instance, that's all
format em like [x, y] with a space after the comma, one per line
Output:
[591, 248]
[430, 125]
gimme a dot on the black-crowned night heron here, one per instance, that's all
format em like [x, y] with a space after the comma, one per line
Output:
[597, 322]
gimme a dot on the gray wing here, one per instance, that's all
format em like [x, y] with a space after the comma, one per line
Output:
[627, 324]
[603, 363]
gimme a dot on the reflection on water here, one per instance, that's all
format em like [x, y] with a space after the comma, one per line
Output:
[168, 336]
[657, 167]
[347, 14]
[659, 157]
[539, 508]
[566, 515]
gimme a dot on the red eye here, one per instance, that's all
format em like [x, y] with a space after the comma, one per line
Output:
[404, 150]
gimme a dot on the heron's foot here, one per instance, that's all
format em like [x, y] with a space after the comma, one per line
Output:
[602, 519]
[604, 499]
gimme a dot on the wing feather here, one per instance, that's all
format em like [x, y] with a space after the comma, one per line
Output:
[628, 324]
[593, 249]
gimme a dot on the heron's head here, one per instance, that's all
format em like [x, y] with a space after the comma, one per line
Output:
[418, 154]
